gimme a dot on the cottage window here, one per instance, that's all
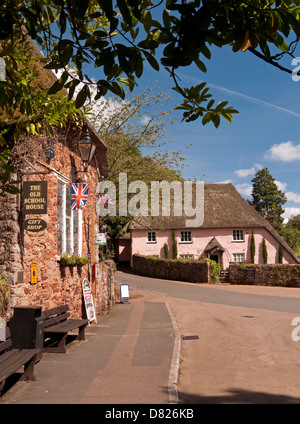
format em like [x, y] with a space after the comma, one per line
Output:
[185, 236]
[68, 221]
[151, 237]
[238, 235]
[238, 257]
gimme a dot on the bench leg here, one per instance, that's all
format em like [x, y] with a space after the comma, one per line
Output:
[81, 335]
[60, 344]
[28, 370]
[2, 386]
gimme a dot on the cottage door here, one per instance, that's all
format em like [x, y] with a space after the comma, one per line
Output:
[214, 258]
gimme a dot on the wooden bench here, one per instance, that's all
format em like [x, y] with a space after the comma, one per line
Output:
[12, 360]
[57, 325]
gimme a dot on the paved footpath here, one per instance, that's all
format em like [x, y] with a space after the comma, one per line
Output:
[126, 359]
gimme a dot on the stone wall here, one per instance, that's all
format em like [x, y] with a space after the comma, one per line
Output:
[267, 275]
[105, 288]
[19, 248]
[190, 271]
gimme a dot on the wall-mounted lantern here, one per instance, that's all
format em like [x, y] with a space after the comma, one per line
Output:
[86, 149]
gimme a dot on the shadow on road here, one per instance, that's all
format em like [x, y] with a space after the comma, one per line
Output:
[237, 396]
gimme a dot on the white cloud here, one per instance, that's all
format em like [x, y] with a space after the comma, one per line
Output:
[293, 197]
[245, 172]
[244, 189]
[285, 152]
[280, 185]
[146, 119]
[242, 173]
[289, 212]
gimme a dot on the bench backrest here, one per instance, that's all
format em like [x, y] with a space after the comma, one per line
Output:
[7, 344]
[55, 315]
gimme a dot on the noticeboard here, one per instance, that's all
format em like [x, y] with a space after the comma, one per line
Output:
[34, 197]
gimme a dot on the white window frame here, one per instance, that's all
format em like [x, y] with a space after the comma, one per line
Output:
[151, 237]
[238, 257]
[186, 236]
[65, 204]
[238, 235]
[187, 256]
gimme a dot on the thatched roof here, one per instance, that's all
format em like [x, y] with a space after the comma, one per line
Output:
[214, 245]
[224, 207]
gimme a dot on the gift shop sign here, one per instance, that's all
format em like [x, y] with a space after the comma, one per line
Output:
[35, 224]
[35, 197]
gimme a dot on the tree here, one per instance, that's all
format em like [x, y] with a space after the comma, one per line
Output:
[265, 251]
[267, 198]
[252, 248]
[135, 134]
[26, 106]
[174, 251]
[291, 233]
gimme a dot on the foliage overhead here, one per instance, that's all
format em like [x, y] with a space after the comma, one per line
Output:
[119, 36]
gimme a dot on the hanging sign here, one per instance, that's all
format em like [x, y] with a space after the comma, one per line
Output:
[88, 300]
[34, 197]
[34, 224]
[100, 239]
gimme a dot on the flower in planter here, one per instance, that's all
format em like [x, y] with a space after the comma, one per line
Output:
[83, 260]
[74, 259]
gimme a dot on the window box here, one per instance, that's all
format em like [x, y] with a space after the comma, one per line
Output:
[73, 260]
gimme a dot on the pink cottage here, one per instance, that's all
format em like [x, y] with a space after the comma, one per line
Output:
[225, 235]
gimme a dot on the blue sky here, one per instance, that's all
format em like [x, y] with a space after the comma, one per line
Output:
[265, 133]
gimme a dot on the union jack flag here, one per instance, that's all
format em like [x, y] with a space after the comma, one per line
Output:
[104, 199]
[79, 196]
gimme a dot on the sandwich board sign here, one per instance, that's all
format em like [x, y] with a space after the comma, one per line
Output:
[88, 300]
[124, 293]
[2, 330]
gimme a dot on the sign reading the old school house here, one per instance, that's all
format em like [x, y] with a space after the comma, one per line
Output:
[35, 197]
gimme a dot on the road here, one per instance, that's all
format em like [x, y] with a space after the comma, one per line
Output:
[239, 346]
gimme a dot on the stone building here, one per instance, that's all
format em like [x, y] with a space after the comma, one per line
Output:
[38, 225]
